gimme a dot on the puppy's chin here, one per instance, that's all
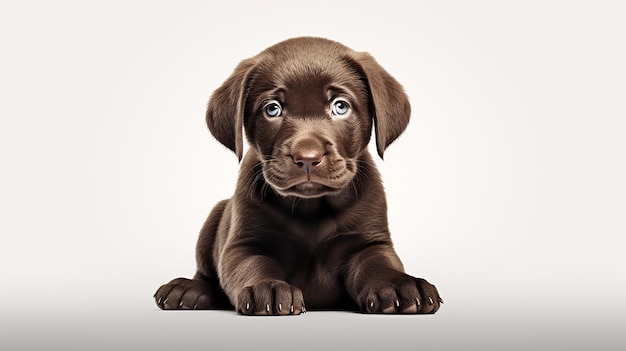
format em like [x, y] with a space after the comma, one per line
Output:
[307, 190]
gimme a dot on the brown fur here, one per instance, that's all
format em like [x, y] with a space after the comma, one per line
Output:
[308, 220]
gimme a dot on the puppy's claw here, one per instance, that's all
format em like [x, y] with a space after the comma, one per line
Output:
[247, 306]
[280, 307]
[397, 303]
[440, 300]
[417, 302]
[267, 308]
[371, 304]
[430, 300]
[291, 309]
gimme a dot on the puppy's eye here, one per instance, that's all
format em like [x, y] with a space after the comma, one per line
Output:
[340, 107]
[273, 109]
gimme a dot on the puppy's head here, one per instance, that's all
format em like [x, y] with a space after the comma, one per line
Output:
[307, 106]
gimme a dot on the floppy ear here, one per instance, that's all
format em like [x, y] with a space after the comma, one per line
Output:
[389, 104]
[226, 107]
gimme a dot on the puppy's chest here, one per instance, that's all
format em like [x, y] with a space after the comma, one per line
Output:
[313, 256]
[302, 246]
[317, 271]
[314, 246]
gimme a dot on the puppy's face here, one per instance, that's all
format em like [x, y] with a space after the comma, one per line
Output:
[308, 106]
[309, 119]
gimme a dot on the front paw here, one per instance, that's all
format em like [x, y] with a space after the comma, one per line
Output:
[272, 297]
[187, 294]
[400, 294]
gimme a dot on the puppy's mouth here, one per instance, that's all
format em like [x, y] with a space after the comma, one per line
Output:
[308, 189]
[295, 182]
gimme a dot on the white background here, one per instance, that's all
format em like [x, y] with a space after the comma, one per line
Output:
[506, 190]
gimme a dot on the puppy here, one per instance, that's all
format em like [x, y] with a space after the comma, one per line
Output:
[307, 225]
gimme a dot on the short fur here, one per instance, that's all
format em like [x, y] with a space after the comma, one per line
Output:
[308, 220]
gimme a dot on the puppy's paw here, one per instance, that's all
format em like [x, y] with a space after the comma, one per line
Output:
[272, 297]
[400, 294]
[188, 294]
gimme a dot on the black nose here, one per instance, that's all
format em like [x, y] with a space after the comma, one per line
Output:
[308, 160]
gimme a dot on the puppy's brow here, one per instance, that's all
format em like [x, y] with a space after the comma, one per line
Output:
[277, 94]
[335, 91]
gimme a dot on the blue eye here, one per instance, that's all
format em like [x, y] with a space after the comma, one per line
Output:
[340, 107]
[273, 109]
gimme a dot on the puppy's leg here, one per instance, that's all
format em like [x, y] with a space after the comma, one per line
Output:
[203, 291]
[256, 285]
[377, 283]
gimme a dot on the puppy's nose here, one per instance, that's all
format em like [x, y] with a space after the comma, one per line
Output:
[307, 160]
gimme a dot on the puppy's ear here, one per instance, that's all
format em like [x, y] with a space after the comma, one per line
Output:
[389, 104]
[226, 107]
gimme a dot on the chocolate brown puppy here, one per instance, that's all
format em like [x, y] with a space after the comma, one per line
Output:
[307, 225]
